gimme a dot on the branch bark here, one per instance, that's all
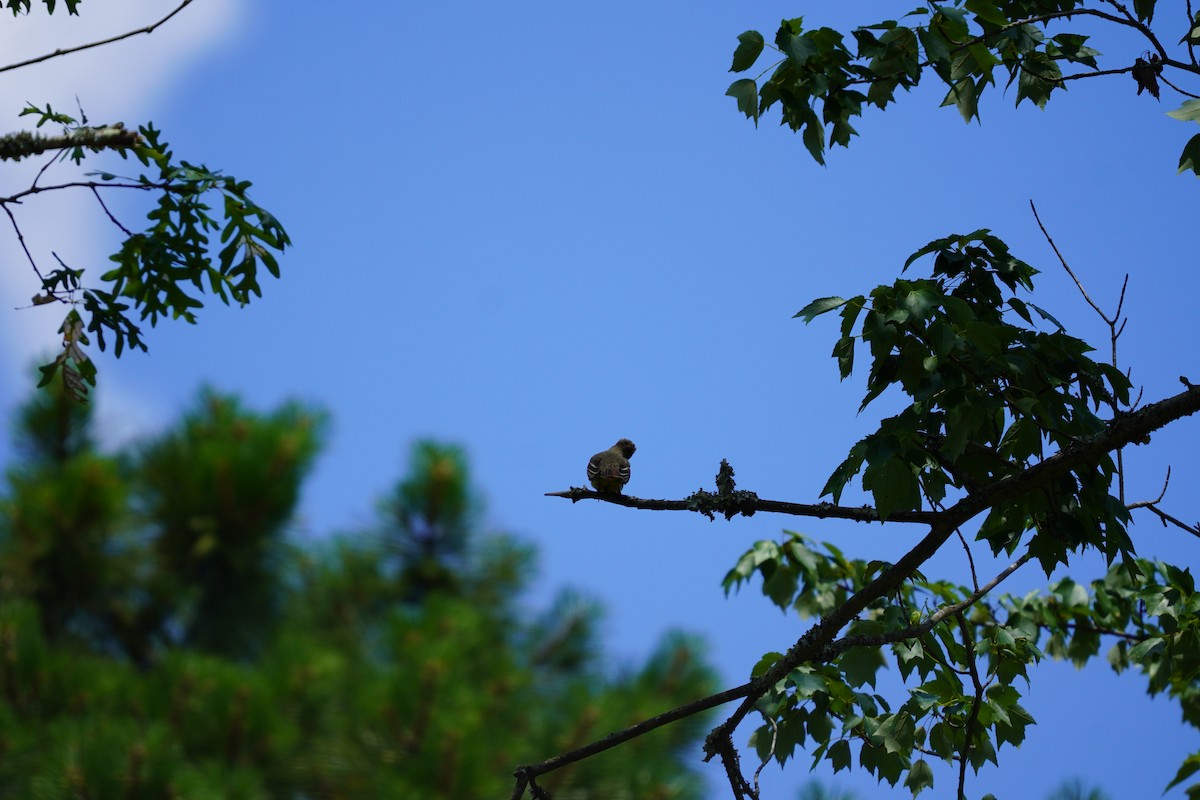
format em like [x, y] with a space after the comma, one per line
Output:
[747, 505]
[22, 144]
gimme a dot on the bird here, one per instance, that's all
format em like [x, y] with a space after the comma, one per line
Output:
[608, 470]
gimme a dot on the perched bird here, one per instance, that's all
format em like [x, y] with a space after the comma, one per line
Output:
[609, 471]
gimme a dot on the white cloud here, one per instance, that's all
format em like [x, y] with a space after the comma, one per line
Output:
[118, 81]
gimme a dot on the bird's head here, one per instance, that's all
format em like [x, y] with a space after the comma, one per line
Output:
[625, 447]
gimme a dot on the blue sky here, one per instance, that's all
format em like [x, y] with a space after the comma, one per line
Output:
[533, 230]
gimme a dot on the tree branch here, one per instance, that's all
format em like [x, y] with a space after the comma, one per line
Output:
[83, 185]
[526, 774]
[22, 144]
[817, 644]
[710, 504]
[62, 52]
[914, 631]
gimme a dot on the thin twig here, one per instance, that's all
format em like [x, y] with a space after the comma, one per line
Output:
[110, 40]
[1176, 88]
[774, 740]
[970, 560]
[115, 221]
[49, 163]
[16, 198]
[973, 717]
[1096, 73]
[25, 247]
[1067, 267]
[1191, 21]
[1155, 501]
[1166, 518]
[1116, 326]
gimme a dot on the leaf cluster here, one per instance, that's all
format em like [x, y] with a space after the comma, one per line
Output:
[960, 669]
[19, 7]
[204, 235]
[821, 81]
[991, 395]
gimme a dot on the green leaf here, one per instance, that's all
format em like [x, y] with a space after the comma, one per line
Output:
[1039, 75]
[964, 95]
[813, 135]
[860, 664]
[765, 663]
[748, 50]
[839, 755]
[920, 776]
[843, 351]
[1143, 649]
[818, 307]
[845, 471]
[987, 12]
[894, 733]
[1072, 47]
[895, 488]
[1193, 34]
[745, 91]
[807, 683]
[1046, 315]
[1189, 767]
[780, 585]
[1188, 112]
[935, 44]
[798, 48]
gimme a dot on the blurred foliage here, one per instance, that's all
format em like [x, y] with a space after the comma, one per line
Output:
[161, 637]
[1075, 789]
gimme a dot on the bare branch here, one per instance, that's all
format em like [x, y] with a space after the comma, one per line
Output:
[1166, 518]
[1096, 73]
[973, 717]
[1116, 326]
[90, 45]
[114, 220]
[526, 774]
[767, 759]
[1074, 277]
[1161, 495]
[21, 239]
[748, 507]
[83, 185]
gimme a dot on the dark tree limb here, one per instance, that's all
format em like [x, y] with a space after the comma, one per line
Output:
[526, 774]
[746, 507]
[1152, 505]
